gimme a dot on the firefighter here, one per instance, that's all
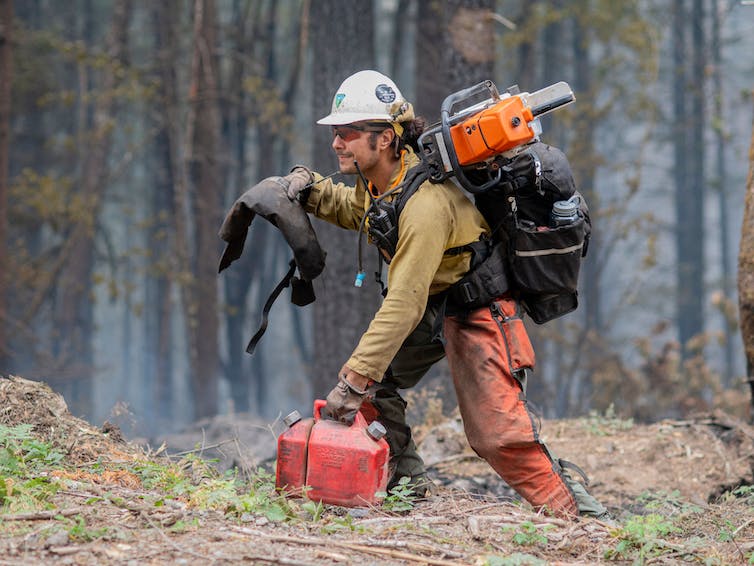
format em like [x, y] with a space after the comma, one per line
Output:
[374, 136]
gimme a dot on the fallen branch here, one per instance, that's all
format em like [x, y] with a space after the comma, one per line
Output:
[743, 526]
[455, 458]
[202, 448]
[348, 546]
[408, 520]
[64, 550]
[41, 515]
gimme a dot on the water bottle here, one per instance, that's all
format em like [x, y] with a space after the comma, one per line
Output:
[565, 211]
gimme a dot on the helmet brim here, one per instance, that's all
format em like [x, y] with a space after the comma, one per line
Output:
[344, 118]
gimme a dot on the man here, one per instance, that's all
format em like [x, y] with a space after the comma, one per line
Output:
[374, 137]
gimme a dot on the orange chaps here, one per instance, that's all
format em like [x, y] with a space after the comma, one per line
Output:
[484, 349]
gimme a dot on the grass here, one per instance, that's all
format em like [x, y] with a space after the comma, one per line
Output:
[401, 498]
[195, 482]
[23, 458]
[529, 534]
[515, 559]
[608, 423]
[642, 538]
[22, 453]
[80, 532]
[32, 472]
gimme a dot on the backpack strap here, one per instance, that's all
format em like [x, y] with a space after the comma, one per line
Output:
[414, 179]
[383, 214]
[284, 282]
[485, 279]
[480, 251]
[412, 182]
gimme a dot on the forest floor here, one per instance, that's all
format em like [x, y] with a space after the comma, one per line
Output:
[72, 493]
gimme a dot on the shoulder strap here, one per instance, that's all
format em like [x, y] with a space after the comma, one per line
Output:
[284, 282]
[414, 179]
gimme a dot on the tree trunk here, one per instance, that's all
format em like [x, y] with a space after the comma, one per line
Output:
[553, 47]
[746, 273]
[203, 320]
[176, 199]
[6, 80]
[27, 150]
[584, 170]
[584, 173]
[430, 90]
[548, 375]
[74, 312]
[721, 184]
[341, 311]
[688, 172]
[237, 281]
[697, 158]
[526, 61]
[158, 310]
[455, 50]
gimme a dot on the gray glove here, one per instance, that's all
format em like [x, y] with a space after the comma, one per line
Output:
[295, 182]
[344, 401]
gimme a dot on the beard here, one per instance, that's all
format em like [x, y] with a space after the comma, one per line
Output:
[345, 161]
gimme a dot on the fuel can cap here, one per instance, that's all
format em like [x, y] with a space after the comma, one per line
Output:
[376, 430]
[292, 418]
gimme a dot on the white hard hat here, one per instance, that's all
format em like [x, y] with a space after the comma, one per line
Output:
[366, 95]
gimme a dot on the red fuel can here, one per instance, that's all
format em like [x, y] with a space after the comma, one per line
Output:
[346, 465]
[290, 472]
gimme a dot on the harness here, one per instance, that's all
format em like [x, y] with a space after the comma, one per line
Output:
[485, 280]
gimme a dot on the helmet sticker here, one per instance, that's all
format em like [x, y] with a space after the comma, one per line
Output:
[339, 99]
[384, 93]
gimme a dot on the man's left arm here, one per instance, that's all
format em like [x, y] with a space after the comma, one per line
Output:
[424, 230]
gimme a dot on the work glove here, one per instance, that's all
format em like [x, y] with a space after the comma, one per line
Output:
[296, 182]
[344, 401]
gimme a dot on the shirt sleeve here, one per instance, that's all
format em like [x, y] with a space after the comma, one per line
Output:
[424, 229]
[337, 203]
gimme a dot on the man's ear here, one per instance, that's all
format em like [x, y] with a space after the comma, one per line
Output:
[386, 138]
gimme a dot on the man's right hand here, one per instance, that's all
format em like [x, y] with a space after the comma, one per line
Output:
[296, 181]
[344, 401]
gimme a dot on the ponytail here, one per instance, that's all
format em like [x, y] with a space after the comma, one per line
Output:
[412, 129]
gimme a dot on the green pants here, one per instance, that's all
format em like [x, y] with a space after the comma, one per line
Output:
[416, 356]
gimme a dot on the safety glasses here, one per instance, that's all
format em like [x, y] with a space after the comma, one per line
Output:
[350, 132]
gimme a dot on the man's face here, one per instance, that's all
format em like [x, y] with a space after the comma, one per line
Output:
[357, 142]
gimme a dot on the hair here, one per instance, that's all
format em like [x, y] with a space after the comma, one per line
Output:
[411, 132]
[410, 137]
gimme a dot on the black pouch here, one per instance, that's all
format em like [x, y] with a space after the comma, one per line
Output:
[547, 260]
[545, 264]
[544, 308]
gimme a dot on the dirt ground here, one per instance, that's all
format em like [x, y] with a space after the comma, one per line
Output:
[665, 483]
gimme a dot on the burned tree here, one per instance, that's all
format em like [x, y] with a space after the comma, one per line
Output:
[746, 271]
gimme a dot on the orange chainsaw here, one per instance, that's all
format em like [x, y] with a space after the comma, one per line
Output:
[478, 125]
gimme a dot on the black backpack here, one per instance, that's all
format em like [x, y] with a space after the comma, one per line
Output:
[543, 223]
[534, 253]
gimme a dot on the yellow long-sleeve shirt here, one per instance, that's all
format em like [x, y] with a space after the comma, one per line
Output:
[436, 218]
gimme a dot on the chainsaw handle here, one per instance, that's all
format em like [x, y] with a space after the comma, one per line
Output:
[446, 119]
[485, 87]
